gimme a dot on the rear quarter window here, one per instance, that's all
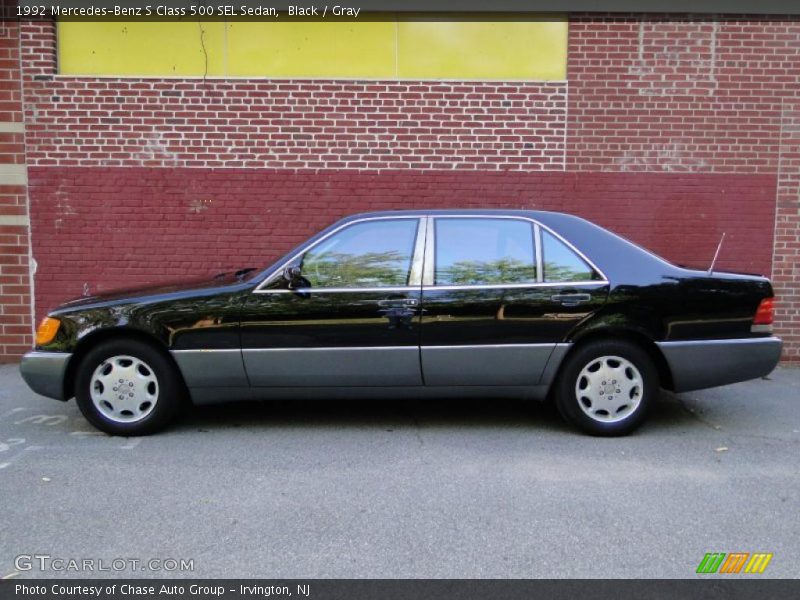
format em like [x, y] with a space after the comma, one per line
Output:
[561, 263]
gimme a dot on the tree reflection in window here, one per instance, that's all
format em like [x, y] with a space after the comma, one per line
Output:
[561, 263]
[471, 272]
[367, 254]
[372, 269]
[484, 251]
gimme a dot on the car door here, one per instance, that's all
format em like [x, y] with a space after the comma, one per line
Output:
[353, 319]
[490, 316]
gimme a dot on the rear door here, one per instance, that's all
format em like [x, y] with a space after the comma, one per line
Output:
[493, 311]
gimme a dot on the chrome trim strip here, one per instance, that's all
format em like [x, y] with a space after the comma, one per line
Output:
[327, 348]
[339, 290]
[493, 286]
[438, 347]
[537, 242]
[427, 271]
[489, 346]
[279, 269]
[481, 286]
[418, 258]
[190, 350]
[715, 342]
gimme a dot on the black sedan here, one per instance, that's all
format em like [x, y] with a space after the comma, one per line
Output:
[513, 303]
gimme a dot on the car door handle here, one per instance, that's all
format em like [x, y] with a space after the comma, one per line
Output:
[398, 302]
[571, 299]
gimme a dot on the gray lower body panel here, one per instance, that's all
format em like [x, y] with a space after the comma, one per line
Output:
[211, 368]
[503, 365]
[335, 367]
[44, 372]
[202, 396]
[708, 363]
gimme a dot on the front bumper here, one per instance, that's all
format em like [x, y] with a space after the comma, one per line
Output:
[703, 364]
[44, 372]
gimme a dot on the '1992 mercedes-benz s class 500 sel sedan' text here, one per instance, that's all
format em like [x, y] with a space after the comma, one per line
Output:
[456, 303]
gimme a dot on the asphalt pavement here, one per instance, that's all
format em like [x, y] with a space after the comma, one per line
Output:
[373, 489]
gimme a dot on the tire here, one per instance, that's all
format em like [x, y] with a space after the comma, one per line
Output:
[606, 387]
[128, 388]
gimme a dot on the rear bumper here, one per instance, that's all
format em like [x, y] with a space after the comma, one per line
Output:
[708, 363]
[44, 372]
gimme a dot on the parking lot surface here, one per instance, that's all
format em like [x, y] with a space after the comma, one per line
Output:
[474, 488]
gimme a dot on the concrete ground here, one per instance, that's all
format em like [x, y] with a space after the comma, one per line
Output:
[450, 489]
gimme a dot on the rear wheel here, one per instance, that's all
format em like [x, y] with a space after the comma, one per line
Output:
[127, 387]
[606, 387]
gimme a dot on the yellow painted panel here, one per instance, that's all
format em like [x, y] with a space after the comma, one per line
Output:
[483, 47]
[141, 48]
[300, 48]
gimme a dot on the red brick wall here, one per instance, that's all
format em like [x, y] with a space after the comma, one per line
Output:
[110, 227]
[786, 262]
[15, 292]
[688, 95]
[669, 131]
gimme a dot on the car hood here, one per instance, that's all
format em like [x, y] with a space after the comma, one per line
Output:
[137, 293]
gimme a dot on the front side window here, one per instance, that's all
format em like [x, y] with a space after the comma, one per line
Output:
[562, 263]
[367, 254]
[484, 251]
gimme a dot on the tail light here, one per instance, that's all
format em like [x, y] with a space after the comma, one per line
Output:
[765, 313]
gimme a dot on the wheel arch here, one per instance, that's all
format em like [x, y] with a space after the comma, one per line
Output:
[638, 338]
[98, 336]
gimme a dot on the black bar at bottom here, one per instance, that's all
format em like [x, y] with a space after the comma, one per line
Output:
[728, 587]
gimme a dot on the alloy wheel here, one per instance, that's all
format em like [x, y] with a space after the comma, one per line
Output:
[124, 389]
[609, 389]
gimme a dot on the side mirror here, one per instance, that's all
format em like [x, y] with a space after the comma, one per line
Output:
[293, 276]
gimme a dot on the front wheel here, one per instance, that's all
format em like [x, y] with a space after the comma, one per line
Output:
[128, 388]
[606, 387]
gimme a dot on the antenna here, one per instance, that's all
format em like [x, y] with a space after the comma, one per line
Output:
[716, 254]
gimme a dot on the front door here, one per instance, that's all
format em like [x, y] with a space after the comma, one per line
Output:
[353, 318]
[493, 307]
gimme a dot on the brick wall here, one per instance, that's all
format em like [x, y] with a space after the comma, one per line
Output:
[679, 95]
[296, 124]
[670, 131]
[111, 227]
[786, 265]
[15, 291]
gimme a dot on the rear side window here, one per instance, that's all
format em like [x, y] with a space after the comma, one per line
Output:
[484, 251]
[562, 263]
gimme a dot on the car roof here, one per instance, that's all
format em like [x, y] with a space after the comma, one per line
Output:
[556, 220]
[452, 211]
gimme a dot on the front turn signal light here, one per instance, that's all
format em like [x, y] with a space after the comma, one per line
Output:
[47, 331]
